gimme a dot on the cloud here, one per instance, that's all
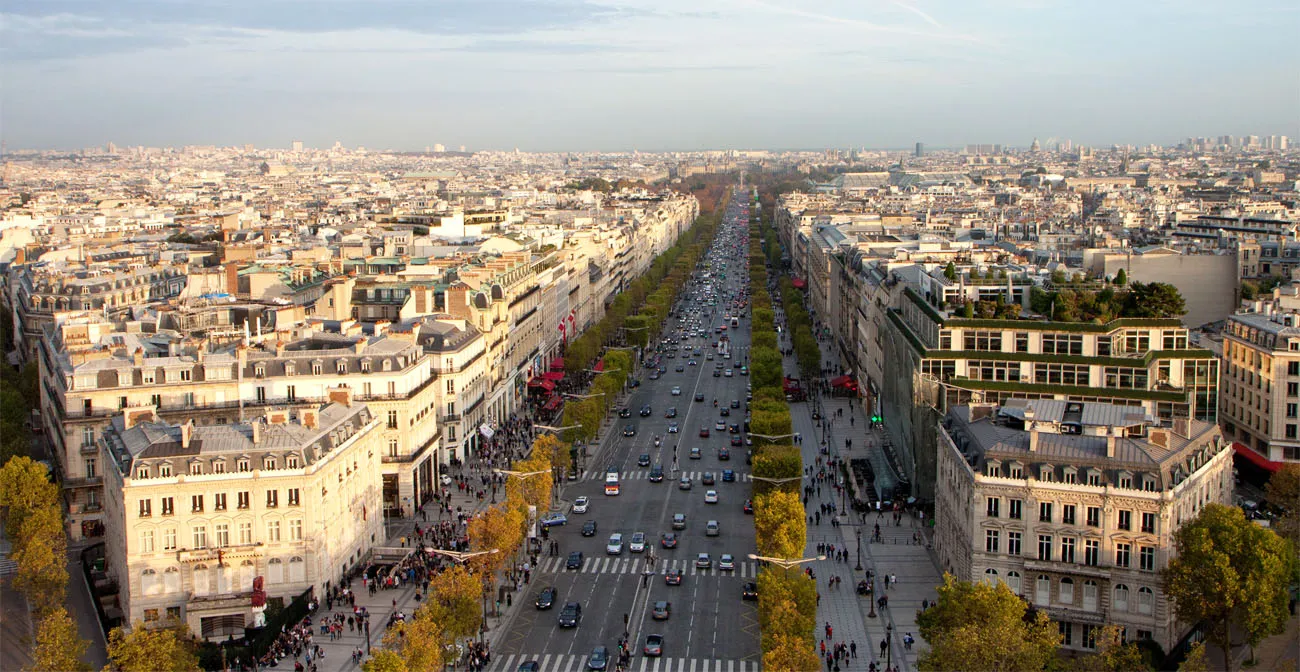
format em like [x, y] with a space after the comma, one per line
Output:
[917, 11]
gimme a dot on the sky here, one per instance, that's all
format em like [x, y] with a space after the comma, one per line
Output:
[653, 75]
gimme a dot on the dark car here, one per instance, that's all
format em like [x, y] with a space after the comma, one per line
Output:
[728, 476]
[546, 598]
[629, 430]
[724, 454]
[680, 368]
[661, 610]
[571, 615]
[643, 460]
[699, 396]
[574, 561]
[589, 528]
[625, 412]
[673, 577]
[724, 412]
[735, 403]
[749, 591]
[599, 658]
[704, 432]
[734, 429]
[696, 454]
[529, 666]
[669, 540]
[736, 440]
[707, 478]
[671, 412]
[717, 373]
[656, 474]
[645, 411]
[749, 506]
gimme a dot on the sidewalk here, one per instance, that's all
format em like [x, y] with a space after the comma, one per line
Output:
[915, 569]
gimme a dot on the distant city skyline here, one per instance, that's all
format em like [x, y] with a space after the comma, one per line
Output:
[653, 75]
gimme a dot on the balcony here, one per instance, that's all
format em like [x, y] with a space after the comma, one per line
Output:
[83, 482]
[448, 419]
[90, 449]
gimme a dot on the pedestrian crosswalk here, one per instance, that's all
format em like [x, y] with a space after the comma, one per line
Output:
[636, 564]
[669, 475]
[575, 663]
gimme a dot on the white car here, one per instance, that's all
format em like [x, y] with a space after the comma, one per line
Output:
[677, 391]
[711, 497]
[637, 545]
[445, 479]
[726, 563]
[615, 545]
[580, 504]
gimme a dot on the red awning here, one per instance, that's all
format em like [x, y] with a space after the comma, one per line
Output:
[1256, 459]
[554, 403]
[842, 381]
[557, 363]
[798, 283]
[553, 375]
[600, 366]
[542, 383]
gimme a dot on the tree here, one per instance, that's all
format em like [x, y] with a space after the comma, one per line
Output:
[1229, 572]
[1114, 654]
[790, 652]
[151, 649]
[59, 647]
[25, 487]
[981, 627]
[1283, 491]
[1155, 299]
[385, 660]
[950, 271]
[417, 645]
[535, 490]
[454, 602]
[41, 552]
[1195, 660]
[780, 528]
[500, 527]
[1121, 278]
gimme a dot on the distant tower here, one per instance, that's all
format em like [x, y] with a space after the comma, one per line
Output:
[462, 149]
[920, 149]
[1034, 146]
[297, 145]
[1123, 165]
[439, 148]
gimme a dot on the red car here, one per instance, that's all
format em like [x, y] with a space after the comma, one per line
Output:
[749, 506]
[669, 540]
[704, 432]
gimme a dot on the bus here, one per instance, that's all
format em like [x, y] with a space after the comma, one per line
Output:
[611, 484]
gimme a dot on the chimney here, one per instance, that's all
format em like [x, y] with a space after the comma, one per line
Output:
[277, 417]
[308, 418]
[1110, 445]
[340, 395]
[187, 433]
[360, 346]
[138, 357]
[135, 416]
[241, 354]
[279, 348]
[257, 431]
[1033, 440]
[232, 279]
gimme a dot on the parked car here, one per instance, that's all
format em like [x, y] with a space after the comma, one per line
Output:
[553, 519]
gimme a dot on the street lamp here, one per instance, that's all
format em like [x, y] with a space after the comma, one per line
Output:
[889, 646]
[522, 475]
[772, 438]
[785, 563]
[777, 481]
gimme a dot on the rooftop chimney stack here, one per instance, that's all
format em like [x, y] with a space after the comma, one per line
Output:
[187, 433]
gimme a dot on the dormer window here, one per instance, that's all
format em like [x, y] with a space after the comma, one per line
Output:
[1094, 477]
[365, 365]
[388, 365]
[1124, 480]
[290, 368]
[1071, 475]
[291, 462]
[268, 463]
[147, 377]
[164, 471]
[993, 468]
[259, 371]
[243, 465]
[142, 472]
[341, 366]
[196, 469]
[317, 367]
[218, 466]
[1149, 484]
[1045, 473]
[1016, 470]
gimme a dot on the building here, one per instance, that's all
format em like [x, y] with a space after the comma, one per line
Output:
[1260, 405]
[1073, 505]
[196, 512]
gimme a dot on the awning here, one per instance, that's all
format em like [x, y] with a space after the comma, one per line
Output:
[1256, 459]
[557, 363]
[842, 381]
[542, 383]
[600, 366]
[554, 403]
[553, 375]
[798, 283]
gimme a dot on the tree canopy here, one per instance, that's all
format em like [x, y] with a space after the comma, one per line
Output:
[984, 628]
[146, 649]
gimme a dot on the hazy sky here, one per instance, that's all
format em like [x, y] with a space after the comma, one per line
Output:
[647, 74]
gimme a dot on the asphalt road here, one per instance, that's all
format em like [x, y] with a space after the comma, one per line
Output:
[710, 626]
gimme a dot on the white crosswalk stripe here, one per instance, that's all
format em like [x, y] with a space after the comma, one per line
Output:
[576, 662]
[642, 475]
[636, 565]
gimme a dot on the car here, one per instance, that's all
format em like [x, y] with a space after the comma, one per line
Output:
[625, 412]
[735, 403]
[691, 363]
[668, 540]
[637, 545]
[661, 610]
[728, 476]
[703, 561]
[529, 666]
[646, 411]
[575, 560]
[744, 370]
[717, 373]
[734, 429]
[580, 504]
[599, 658]
[712, 529]
[615, 544]
[707, 478]
[677, 391]
[643, 460]
[656, 474]
[679, 521]
[673, 577]
[570, 615]
[629, 430]
[749, 507]
[728, 373]
[654, 646]
[711, 497]
[445, 479]
[709, 356]
[552, 519]
[724, 454]
[684, 483]
[749, 591]
[654, 375]
[671, 412]
[699, 396]
[589, 528]
[680, 368]
[726, 563]
[736, 440]
[672, 428]
[720, 426]
[546, 598]
[696, 453]
[704, 432]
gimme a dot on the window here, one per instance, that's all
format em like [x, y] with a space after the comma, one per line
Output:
[1091, 552]
[268, 463]
[1066, 594]
[1090, 595]
[1089, 638]
[1146, 600]
[150, 615]
[1124, 377]
[1094, 516]
[392, 419]
[1045, 512]
[290, 391]
[1013, 509]
[1149, 522]
[223, 535]
[1103, 346]
[1063, 344]
[1290, 431]
[291, 462]
[1123, 555]
[341, 366]
[186, 375]
[1147, 558]
[1125, 520]
[146, 508]
[245, 533]
[168, 506]
[295, 530]
[1067, 514]
[241, 500]
[196, 503]
[1042, 590]
[272, 499]
[1126, 481]
[991, 510]
[219, 467]
[1120, 602]
[1062, 374]
[1013, 543]
[1293, 368]
[294, 499]
[1094, 478]
[164, 471]
[991, 576]
[219, 501]
[172, 584]
[146, 541]
[1292, 389]
[92, 467]
[87, 437]
[200, 534]
[983, 340]
[142, 472]
[1013, 581]
[392, 447]
[273, 531]
[1045, 547]
[1291, 410]
[243, 465]
[169, 539]
[1022, 341]
[991, 541]
[155, 400]
[1067, 549]
[187, 399]
[261, 394]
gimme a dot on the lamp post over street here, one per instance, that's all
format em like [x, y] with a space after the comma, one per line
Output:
[525, 475]
[464, 556]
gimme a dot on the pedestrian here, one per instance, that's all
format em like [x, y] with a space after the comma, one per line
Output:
[853, 649]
